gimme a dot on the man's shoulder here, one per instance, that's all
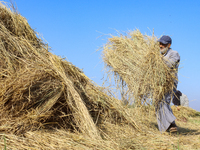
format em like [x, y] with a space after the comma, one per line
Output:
[173, 52]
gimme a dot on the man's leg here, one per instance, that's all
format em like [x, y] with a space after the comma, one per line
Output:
[164, 114]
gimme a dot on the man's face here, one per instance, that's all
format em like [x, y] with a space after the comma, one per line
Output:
[162, 46]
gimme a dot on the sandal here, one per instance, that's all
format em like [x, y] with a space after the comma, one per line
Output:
[173, 129]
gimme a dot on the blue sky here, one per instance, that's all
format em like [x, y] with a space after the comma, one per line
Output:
[76, 29]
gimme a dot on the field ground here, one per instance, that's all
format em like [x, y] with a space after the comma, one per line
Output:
[187, 138]
[116, 136]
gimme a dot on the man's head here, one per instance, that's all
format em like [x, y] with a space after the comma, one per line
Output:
[165, 43]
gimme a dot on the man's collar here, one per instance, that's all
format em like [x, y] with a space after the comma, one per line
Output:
[166, 52]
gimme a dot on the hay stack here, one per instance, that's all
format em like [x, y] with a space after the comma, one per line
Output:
[135, 60]
[41, 90]
[37, 86]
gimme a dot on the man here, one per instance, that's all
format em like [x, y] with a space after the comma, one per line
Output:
[164, 114]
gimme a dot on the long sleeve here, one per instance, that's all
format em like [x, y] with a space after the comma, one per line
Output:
[172, 59]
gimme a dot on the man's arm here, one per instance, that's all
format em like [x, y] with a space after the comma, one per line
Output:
[172, 60]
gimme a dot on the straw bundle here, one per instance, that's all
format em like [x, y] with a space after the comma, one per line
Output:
[135, 60]
[41, 90]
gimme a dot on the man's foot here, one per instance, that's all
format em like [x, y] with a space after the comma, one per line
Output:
[173, 129]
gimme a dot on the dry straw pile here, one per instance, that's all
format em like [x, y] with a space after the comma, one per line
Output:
[41, 90]
[136, 62]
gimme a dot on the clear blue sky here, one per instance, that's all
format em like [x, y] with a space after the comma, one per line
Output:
[74, 29]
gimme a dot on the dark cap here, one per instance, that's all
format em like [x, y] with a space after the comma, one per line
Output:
[165, 40]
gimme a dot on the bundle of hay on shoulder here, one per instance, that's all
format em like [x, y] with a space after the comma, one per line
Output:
[41, 90]
[135, 60]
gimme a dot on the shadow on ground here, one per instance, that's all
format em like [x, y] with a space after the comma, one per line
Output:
[186, 131]
[181, 130]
